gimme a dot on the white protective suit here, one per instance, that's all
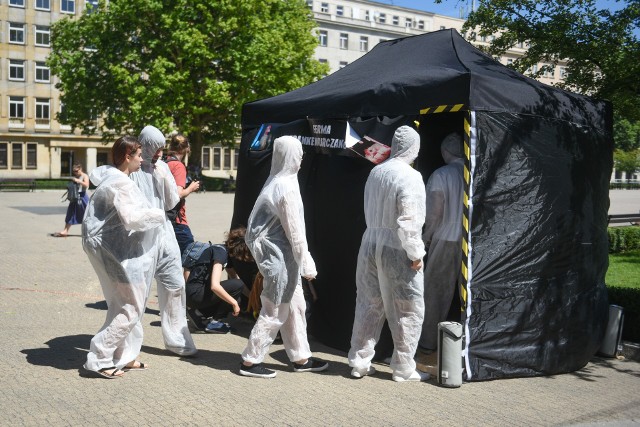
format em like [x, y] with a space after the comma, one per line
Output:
[276, 236]
[119, 234]
[387, 286]
[159, 187]
[442, 237]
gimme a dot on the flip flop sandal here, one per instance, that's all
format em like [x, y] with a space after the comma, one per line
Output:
[116, 373]
[141, 367]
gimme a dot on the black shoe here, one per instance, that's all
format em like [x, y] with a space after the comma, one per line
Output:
[195, 320]
[256, 370]
[312, 365]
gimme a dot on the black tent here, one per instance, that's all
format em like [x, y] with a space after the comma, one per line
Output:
[538, 162]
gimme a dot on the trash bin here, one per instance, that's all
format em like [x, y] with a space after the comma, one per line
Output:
[450, 354]
[613, 334]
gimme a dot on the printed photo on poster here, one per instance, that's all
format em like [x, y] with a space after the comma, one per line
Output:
[372, 150]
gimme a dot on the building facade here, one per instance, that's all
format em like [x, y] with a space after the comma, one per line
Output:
[33, 144]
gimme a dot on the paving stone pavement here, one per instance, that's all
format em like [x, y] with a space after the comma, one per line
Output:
[51, 305]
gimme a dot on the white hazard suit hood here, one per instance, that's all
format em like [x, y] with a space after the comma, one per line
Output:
[405, 145]
[276, 231]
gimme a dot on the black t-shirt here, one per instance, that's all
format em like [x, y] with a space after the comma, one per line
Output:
[247, 270]
[201, 271]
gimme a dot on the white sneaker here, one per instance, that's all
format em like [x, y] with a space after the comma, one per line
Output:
[415, 376]
[359, 373]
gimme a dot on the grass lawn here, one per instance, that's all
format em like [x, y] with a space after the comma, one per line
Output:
[624, 270]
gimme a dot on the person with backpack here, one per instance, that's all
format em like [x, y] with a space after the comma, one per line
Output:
[178, 149]
[78, 199]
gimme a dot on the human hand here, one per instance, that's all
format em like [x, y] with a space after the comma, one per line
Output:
[194, 186]
[416, 265]
[236, 309]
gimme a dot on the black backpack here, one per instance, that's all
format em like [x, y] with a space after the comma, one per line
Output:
[73, 192]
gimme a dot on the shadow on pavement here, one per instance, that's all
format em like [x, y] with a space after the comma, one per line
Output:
[64, 353]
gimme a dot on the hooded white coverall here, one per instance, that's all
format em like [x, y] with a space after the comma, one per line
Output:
[387, 286]
[442, 237]
[277, 240]
[119, 234]
[155, 181]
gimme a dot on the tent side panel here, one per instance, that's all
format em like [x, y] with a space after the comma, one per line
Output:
[540, 250]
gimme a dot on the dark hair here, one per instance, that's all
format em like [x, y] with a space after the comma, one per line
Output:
[76, 166]
[236, 246]
[124, 145]
[179, 144]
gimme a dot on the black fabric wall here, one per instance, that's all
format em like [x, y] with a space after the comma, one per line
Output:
[539, 246]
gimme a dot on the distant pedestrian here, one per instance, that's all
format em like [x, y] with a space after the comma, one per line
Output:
[76, 208]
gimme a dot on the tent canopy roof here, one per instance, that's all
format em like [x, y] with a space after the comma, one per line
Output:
[406, 75]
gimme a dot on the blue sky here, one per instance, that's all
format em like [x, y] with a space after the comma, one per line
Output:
[452, 7]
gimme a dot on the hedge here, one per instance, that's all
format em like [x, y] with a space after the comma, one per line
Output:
[623, 239]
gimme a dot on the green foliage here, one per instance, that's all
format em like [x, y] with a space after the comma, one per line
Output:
[600, 46]
[622, 239]
[52, 184]
[187, 65]
[626, 134]
[627, 161]
[629, 299]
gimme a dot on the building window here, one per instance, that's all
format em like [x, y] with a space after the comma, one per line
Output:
[16, 3]
[483, 39]
[509, 61]
[43, 115]
[564, 73]
[227, 159]
[549, 71]
[310, 4]
[68, 6]
[324, 7]
[102, 158]
[322, 60]
[206, 158]
[216, 158]
[340, 10]
[364, 44]
[91, 6]
[43, 35]
[342, 64]
[408, 23]
[382, 18]
[4, 155]
[367, 15]
[235, 159]
[16, 70]
[16, 155]
[43, 75]
[322, 38]
[32, 156]
[421, 24]
[43, 4]
[16, 33]
[395, 20]
[16, 112]
[442, 27]
[344, 41]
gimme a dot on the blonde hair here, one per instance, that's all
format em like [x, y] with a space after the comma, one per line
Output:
[179, 145]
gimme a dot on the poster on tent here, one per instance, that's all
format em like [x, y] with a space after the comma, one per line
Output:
[329, 136]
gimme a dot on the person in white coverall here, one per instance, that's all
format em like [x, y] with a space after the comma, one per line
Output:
[155, 181]
[276, 238]
[389, 280]
[119, 234]
[442, 238]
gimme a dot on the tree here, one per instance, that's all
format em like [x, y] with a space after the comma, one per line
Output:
[185, 65]
[626, 135]
[627, 161]
[600, 47]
